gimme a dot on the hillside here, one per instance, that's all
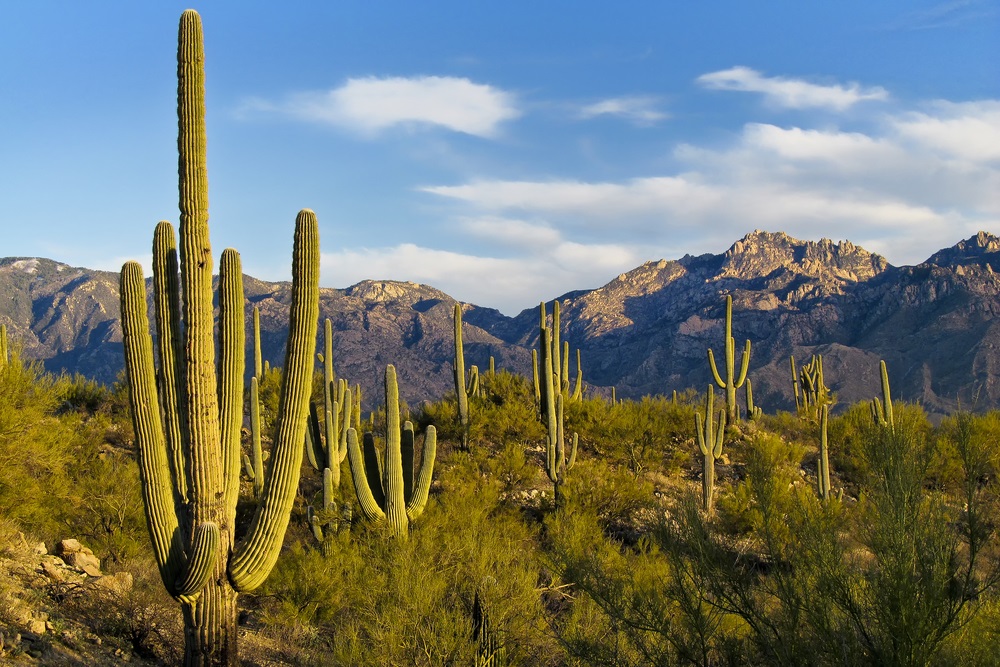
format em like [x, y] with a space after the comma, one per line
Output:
[644, 332]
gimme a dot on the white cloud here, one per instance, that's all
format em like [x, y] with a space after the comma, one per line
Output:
[968, 130]
[910, 185]
[791, 93]
[637, 109]
[509, 284]
[370, 105]
[511, 232]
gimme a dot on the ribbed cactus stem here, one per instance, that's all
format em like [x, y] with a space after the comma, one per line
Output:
[4, 354]
[710, 438]
[823, 474]
[882, 410]
[556, 347]
[753, 412]
[459, 372]
[387, 493]
[732, 381]
[578, 387]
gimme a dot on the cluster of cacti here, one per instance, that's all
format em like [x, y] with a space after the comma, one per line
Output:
[882, 410]
[326, 446]
[559, 354]
[811, 392]
[710, 437]
[754, 411]
[189, 454]
[556, 462]
[732, 381]
[386, 490]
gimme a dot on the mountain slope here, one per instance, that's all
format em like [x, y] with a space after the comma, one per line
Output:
[644, 332]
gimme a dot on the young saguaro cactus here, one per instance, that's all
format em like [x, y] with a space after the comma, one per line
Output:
[754, 412]
[386, 492]
[823, 466]
[4, 353]
[732, 381]
[710, 438]
[882, 410]
[189, 454]
[461, 393]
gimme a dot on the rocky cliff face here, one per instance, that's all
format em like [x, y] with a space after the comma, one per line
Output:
[645, 332]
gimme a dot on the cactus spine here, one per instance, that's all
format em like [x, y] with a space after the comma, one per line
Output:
[710, 443]
[189, 456]
[386, 491]
[732, 381]
[882, 410]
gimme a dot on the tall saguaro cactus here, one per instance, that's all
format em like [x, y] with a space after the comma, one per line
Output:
[189, 454]
[461, 392]
[556, 462]
[732, 381]
[710, 437]
[882, 410]
[387, 492]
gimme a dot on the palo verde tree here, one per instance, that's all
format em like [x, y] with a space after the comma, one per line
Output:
[187, 416]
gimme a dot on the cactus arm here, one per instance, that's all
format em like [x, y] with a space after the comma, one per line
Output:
[406, 449]
[333, 446]
[348, 407]
[744, 366]
[795, 385]
[392, 472]
[328, 489]
[700, 434]
[460, 390]
[534, 378]
[421, 489]
[204, 550]
[556, 347]
[232, 362]
[373, 468]
[254, 557]
[720, 433]
[256, 459]
[166, 298]
[886, 394]
[572, 455]
[154, 467]
[258, 366]
[370, 508]
[578, 388]
[715, 370]
[313, 440]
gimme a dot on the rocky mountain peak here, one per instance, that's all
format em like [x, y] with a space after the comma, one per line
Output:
[983, 250]
[762, 254]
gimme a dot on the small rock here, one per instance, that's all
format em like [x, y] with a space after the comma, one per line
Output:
[39, 549]
[37, 627]
[89, 563]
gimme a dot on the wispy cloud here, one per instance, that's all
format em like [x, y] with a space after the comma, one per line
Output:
[510, 284]
[951, 14]
[791, 93]
[912, 183]
[371, 105]
[640, 110]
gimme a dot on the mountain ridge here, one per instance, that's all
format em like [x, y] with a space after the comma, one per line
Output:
[646, 331]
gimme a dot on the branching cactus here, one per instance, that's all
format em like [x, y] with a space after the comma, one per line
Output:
[556, 463]
[814, 392]
[187, 417]
[732, 381]
[754, 412]
[882, 410]
[386, 490]
[710, 436]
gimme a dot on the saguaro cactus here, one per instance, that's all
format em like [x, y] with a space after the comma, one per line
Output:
[732, 381]
[710, 443]
[254, 463]
[753, 411]
[823, 466]
[189, 455]
[882, 410]
[460, 391]
[556, 463]
[4, 353]
[386, 492]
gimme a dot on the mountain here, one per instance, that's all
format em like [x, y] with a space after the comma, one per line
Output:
[644, 332]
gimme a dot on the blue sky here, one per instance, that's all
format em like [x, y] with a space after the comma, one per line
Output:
[505, 152]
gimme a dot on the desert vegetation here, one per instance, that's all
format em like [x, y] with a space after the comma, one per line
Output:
[537, 522]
